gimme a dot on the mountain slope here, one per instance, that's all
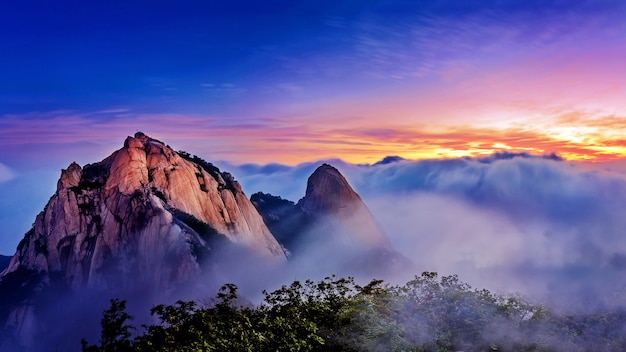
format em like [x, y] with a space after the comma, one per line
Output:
[283, 217]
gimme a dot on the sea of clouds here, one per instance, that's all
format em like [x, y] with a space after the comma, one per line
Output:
[552, 230]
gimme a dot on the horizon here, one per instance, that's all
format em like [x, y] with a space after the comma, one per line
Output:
[20, 208]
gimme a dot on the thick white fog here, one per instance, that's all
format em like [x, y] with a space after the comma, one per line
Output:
[552, 230]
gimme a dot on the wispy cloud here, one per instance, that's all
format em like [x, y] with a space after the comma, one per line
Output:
[6, 174]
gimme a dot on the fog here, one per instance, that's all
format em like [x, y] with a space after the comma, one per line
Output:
[548, 229]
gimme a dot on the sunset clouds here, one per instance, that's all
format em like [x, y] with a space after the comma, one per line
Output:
[290, 83]
[574, 136]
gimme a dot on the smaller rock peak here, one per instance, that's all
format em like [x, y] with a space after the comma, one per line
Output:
[330, 196]
[132, 142]
[70, 177]
[73, 167]
[327, 191]
[390, 160]
[140, 140]
[141, 135]
[326, 169]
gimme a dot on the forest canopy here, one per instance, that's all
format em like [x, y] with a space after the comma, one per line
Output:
[428, 313]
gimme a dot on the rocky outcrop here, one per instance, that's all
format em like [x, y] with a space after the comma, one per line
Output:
[329, 196]
[125, 207]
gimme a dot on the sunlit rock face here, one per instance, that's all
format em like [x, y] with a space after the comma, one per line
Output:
[124, 213]
[329, 196]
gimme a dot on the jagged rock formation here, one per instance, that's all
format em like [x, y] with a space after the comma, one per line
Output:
[333, 219]
[146, 215]
[129, 203]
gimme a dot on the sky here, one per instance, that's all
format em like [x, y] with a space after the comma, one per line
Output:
[296, 81]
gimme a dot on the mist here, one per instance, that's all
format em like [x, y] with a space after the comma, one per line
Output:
[542, 227]
[549, 230]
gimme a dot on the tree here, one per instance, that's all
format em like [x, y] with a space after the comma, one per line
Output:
[429, 313]
[116, 332]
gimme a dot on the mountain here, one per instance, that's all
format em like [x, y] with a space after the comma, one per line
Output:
[146, 218]
[136, 202]
[389, 160]
[154, 224]
[330, 225]
[330, 197]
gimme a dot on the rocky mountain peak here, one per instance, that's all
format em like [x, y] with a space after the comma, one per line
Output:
[331, 203]
[139, 201]
[145, 219]
[70, 176]
[328, 192]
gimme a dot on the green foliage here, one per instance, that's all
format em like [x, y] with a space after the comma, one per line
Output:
[93, 176]
[426, 314]
[224, 326]
[207, 166]
[203, 229]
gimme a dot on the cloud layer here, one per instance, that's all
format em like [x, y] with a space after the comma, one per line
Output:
[539, 226]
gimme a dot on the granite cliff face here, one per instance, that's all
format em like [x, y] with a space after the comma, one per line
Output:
[129, 207]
